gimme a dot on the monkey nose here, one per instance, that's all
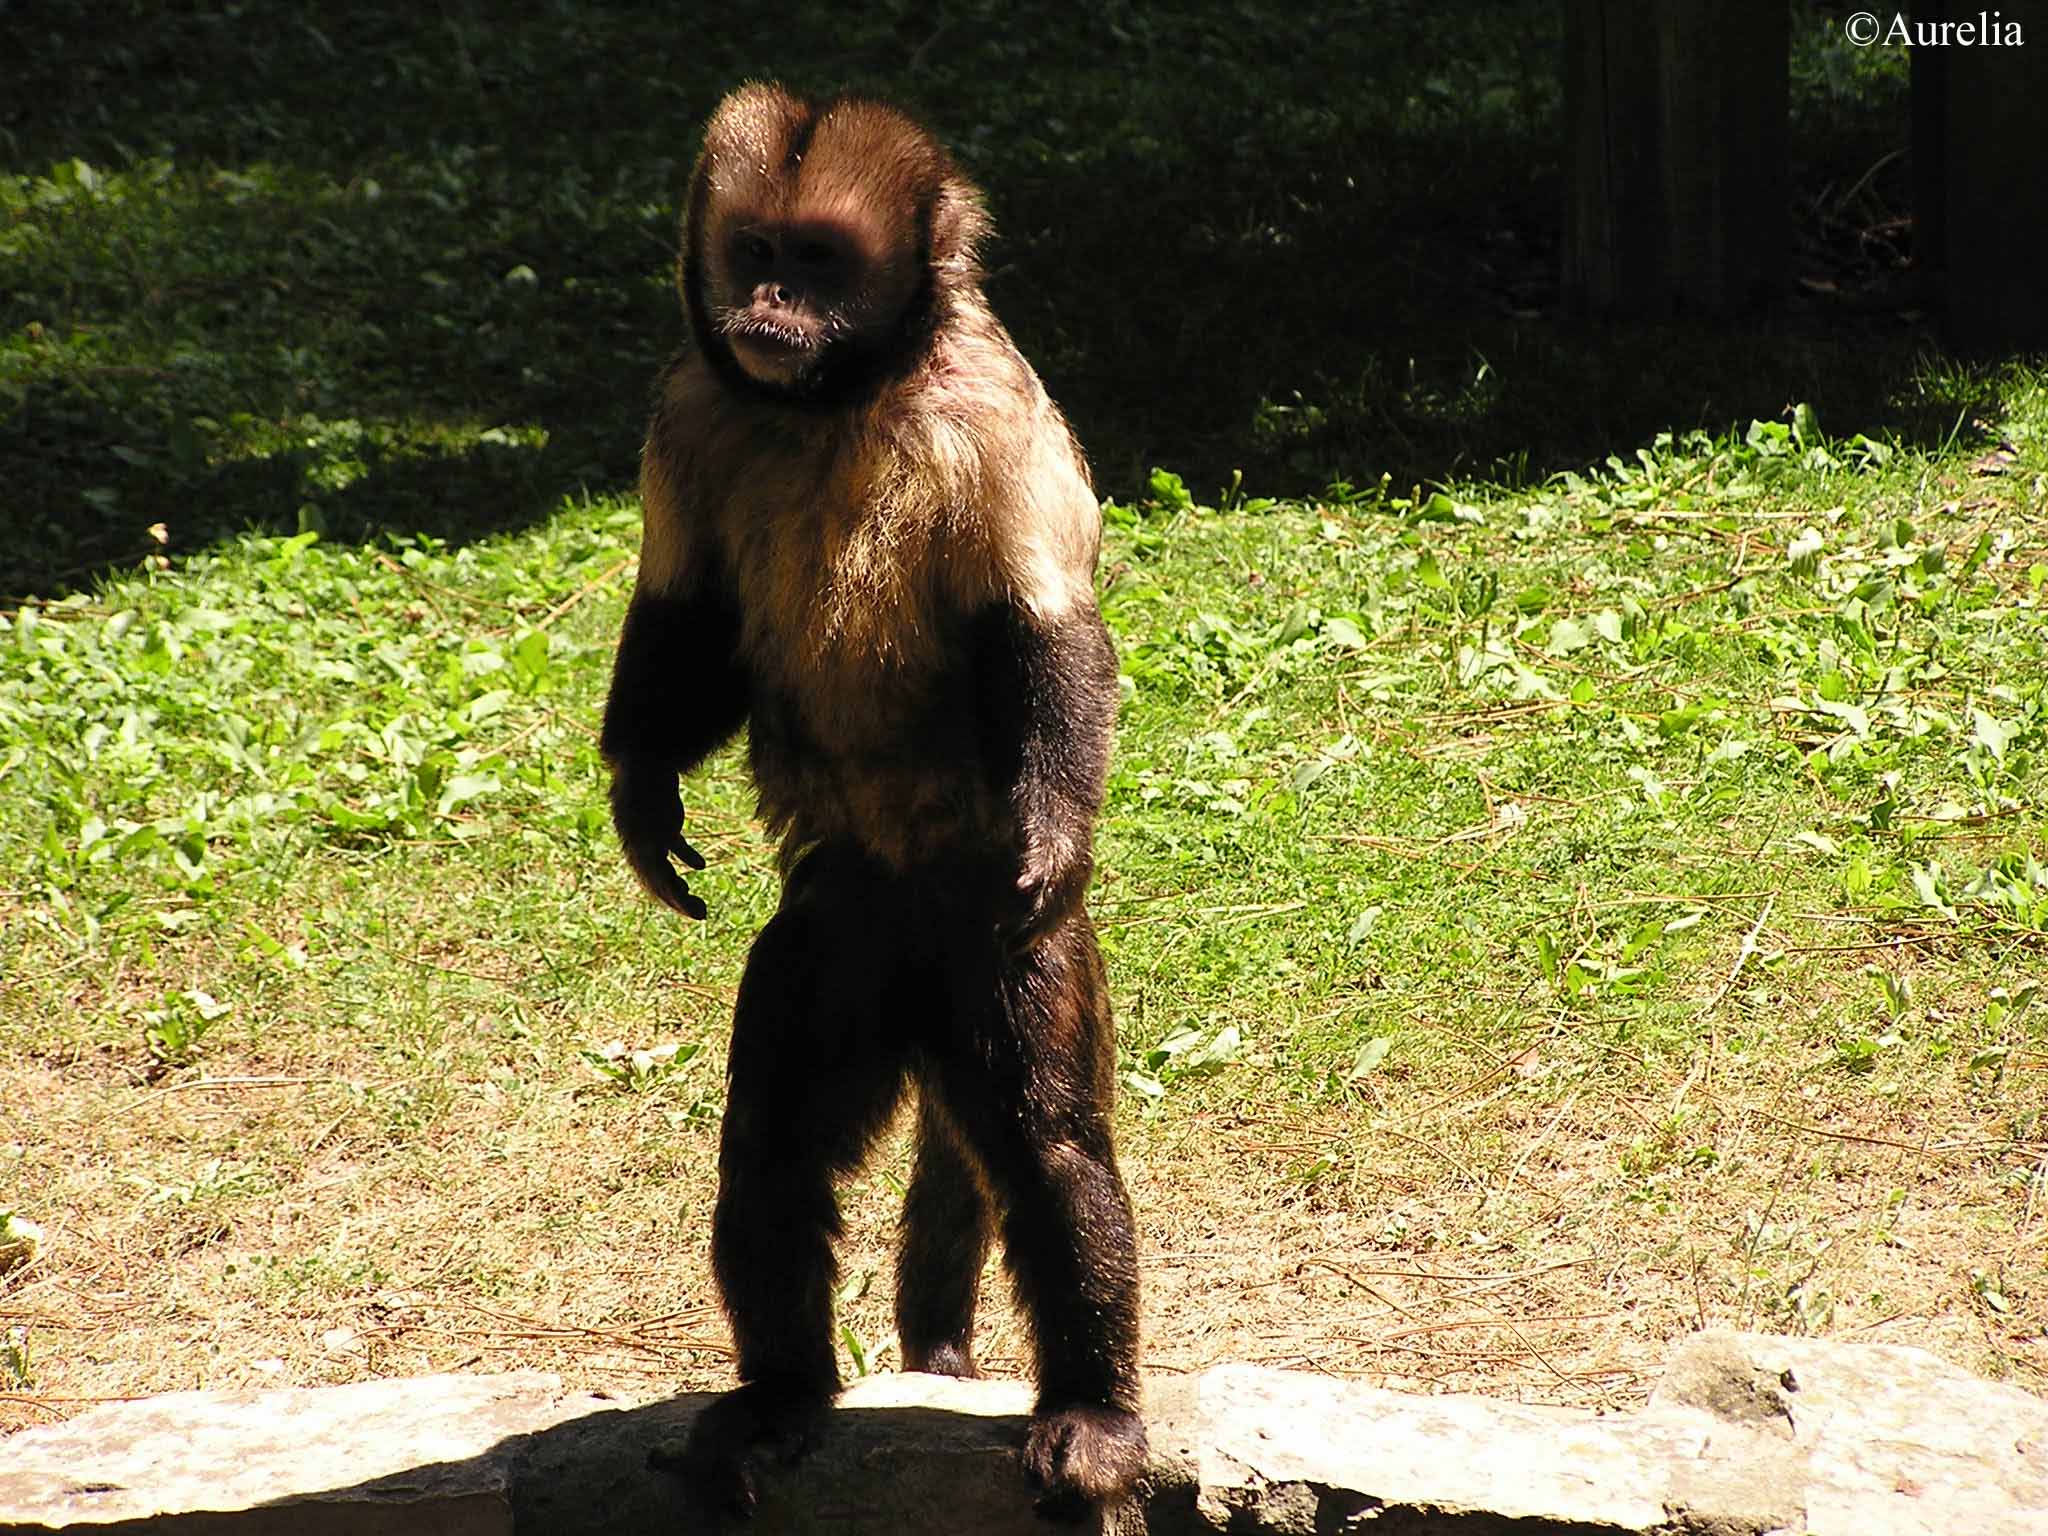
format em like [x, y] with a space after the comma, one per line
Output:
[777, 295]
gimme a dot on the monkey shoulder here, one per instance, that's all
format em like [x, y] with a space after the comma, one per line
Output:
[1016, 484]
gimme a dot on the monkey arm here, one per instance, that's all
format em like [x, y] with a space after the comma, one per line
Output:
[678, 693]
[1047, 705]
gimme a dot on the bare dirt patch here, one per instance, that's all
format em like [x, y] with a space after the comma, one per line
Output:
[267, 1225]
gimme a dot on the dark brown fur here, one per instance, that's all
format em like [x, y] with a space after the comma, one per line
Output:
[870, 538]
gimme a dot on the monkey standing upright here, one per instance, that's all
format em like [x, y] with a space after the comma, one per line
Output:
[870, 538]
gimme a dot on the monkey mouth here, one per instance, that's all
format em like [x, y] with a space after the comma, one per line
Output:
[760, 333]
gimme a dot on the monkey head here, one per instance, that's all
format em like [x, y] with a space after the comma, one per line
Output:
[824, 242]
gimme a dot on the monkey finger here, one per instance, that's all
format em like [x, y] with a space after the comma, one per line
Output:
[678, 895]
[661, 881]
[682, 850]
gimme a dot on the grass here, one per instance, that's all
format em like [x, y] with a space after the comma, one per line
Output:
[1575, 902]
[1542, 923]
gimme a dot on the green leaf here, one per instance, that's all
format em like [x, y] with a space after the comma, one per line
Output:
[485, 705]
[1438, 508]
[1674, 723]
[1369, 1056]
[1646, 935]
[1343, 634]
[1308, 772]
[1927, 886]
[1803, 554]
[1170, 491]
[1219, 1052]
[1567, 636]
[1991, 733]
[463, 788]
[1805, 425]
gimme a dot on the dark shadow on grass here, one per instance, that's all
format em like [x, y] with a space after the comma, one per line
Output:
[453, 494]
[359, 361]
[1308, 242]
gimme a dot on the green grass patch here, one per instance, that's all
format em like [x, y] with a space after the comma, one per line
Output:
[1708, 782]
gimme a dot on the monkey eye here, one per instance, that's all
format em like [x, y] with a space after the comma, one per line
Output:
[754, 248]
[814, 253]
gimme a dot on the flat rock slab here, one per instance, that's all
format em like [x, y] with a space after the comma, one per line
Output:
[1748, 1435]
[431, 1453]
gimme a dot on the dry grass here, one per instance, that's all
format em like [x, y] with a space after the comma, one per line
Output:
[1497, 1236]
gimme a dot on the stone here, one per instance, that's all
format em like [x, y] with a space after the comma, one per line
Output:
[490, 1456]
[1748, 1435]
[1891, 1441]
[1300, 1455]
[430, 1453]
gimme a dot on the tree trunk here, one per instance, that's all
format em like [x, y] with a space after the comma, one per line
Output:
[1675, 125]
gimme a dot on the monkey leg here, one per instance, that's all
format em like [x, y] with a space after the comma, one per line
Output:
[946, 1221]
[813, 1075]
[1032, 1093]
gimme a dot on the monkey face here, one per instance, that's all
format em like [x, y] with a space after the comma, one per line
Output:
[822, 243]
[785, 291]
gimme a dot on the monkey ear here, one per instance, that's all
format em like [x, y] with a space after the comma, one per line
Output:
[960, 223]
[753, 125]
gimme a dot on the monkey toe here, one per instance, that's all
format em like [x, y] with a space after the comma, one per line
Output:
[674, 894]
[1083, 1455]
[721, 1481]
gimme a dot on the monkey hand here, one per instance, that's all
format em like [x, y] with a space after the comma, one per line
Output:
[648, 811]
[1052, 877]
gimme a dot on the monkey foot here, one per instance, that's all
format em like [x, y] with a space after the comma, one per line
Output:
[1083, 1455]
[716, 1460]
[943, 1360]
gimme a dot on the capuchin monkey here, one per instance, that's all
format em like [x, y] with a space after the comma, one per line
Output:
[870, 539]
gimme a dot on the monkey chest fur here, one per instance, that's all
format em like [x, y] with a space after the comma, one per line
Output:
[865, 723]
